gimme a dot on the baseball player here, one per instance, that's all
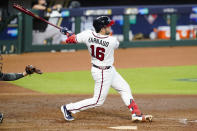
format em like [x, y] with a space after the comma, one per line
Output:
[15, 76]
[101, 47]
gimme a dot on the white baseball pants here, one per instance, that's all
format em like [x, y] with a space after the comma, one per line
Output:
[103, 80]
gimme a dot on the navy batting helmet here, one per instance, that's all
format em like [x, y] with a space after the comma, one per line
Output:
[101, 22]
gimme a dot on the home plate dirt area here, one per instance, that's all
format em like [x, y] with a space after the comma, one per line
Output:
[34, 111]
[28, 110]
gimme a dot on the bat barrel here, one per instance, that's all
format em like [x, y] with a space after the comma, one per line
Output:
[26, 11]
[18, 7]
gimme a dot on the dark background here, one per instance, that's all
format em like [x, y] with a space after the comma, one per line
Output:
[133, 2]
[85, 3]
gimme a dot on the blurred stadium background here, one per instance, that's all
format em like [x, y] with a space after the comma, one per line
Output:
[163, 80]
[138, 23]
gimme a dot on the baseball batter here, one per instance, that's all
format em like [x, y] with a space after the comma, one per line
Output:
[101, 47]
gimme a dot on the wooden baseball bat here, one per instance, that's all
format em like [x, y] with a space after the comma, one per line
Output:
[28, 12]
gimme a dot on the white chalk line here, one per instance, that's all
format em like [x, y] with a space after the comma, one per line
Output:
[124, 127]
[180, 120]
[184, 121]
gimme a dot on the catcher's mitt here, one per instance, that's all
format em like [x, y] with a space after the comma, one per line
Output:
[31, 69]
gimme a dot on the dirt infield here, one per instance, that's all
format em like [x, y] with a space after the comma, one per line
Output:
[124, 58]
[29, 110]
[42, 112]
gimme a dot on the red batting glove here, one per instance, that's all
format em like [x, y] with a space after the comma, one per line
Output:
[71, 39]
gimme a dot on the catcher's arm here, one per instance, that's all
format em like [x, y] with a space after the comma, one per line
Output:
[15, 76]
[11, 76]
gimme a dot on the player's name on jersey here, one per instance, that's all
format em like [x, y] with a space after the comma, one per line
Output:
[98, 41]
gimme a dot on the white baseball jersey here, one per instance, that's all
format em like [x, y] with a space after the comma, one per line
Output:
[101, 47]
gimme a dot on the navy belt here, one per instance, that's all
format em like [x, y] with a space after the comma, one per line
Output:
[101, 67]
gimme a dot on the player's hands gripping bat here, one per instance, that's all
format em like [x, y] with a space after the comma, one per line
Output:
[71, 36]
[66, 31]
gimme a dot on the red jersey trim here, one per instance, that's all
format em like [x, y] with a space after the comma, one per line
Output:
[99, 37]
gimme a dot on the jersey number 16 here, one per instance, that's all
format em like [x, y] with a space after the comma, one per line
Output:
[99, 52]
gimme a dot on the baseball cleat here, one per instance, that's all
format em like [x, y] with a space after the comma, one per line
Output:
[1, 117]
[141, 118]
[66, 113]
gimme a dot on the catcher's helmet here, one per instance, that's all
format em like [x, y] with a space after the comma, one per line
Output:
[101, 22]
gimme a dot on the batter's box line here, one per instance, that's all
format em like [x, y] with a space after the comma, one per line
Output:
[180, 120]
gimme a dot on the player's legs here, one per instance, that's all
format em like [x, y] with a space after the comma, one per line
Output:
[120, 85]
[103, 79]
